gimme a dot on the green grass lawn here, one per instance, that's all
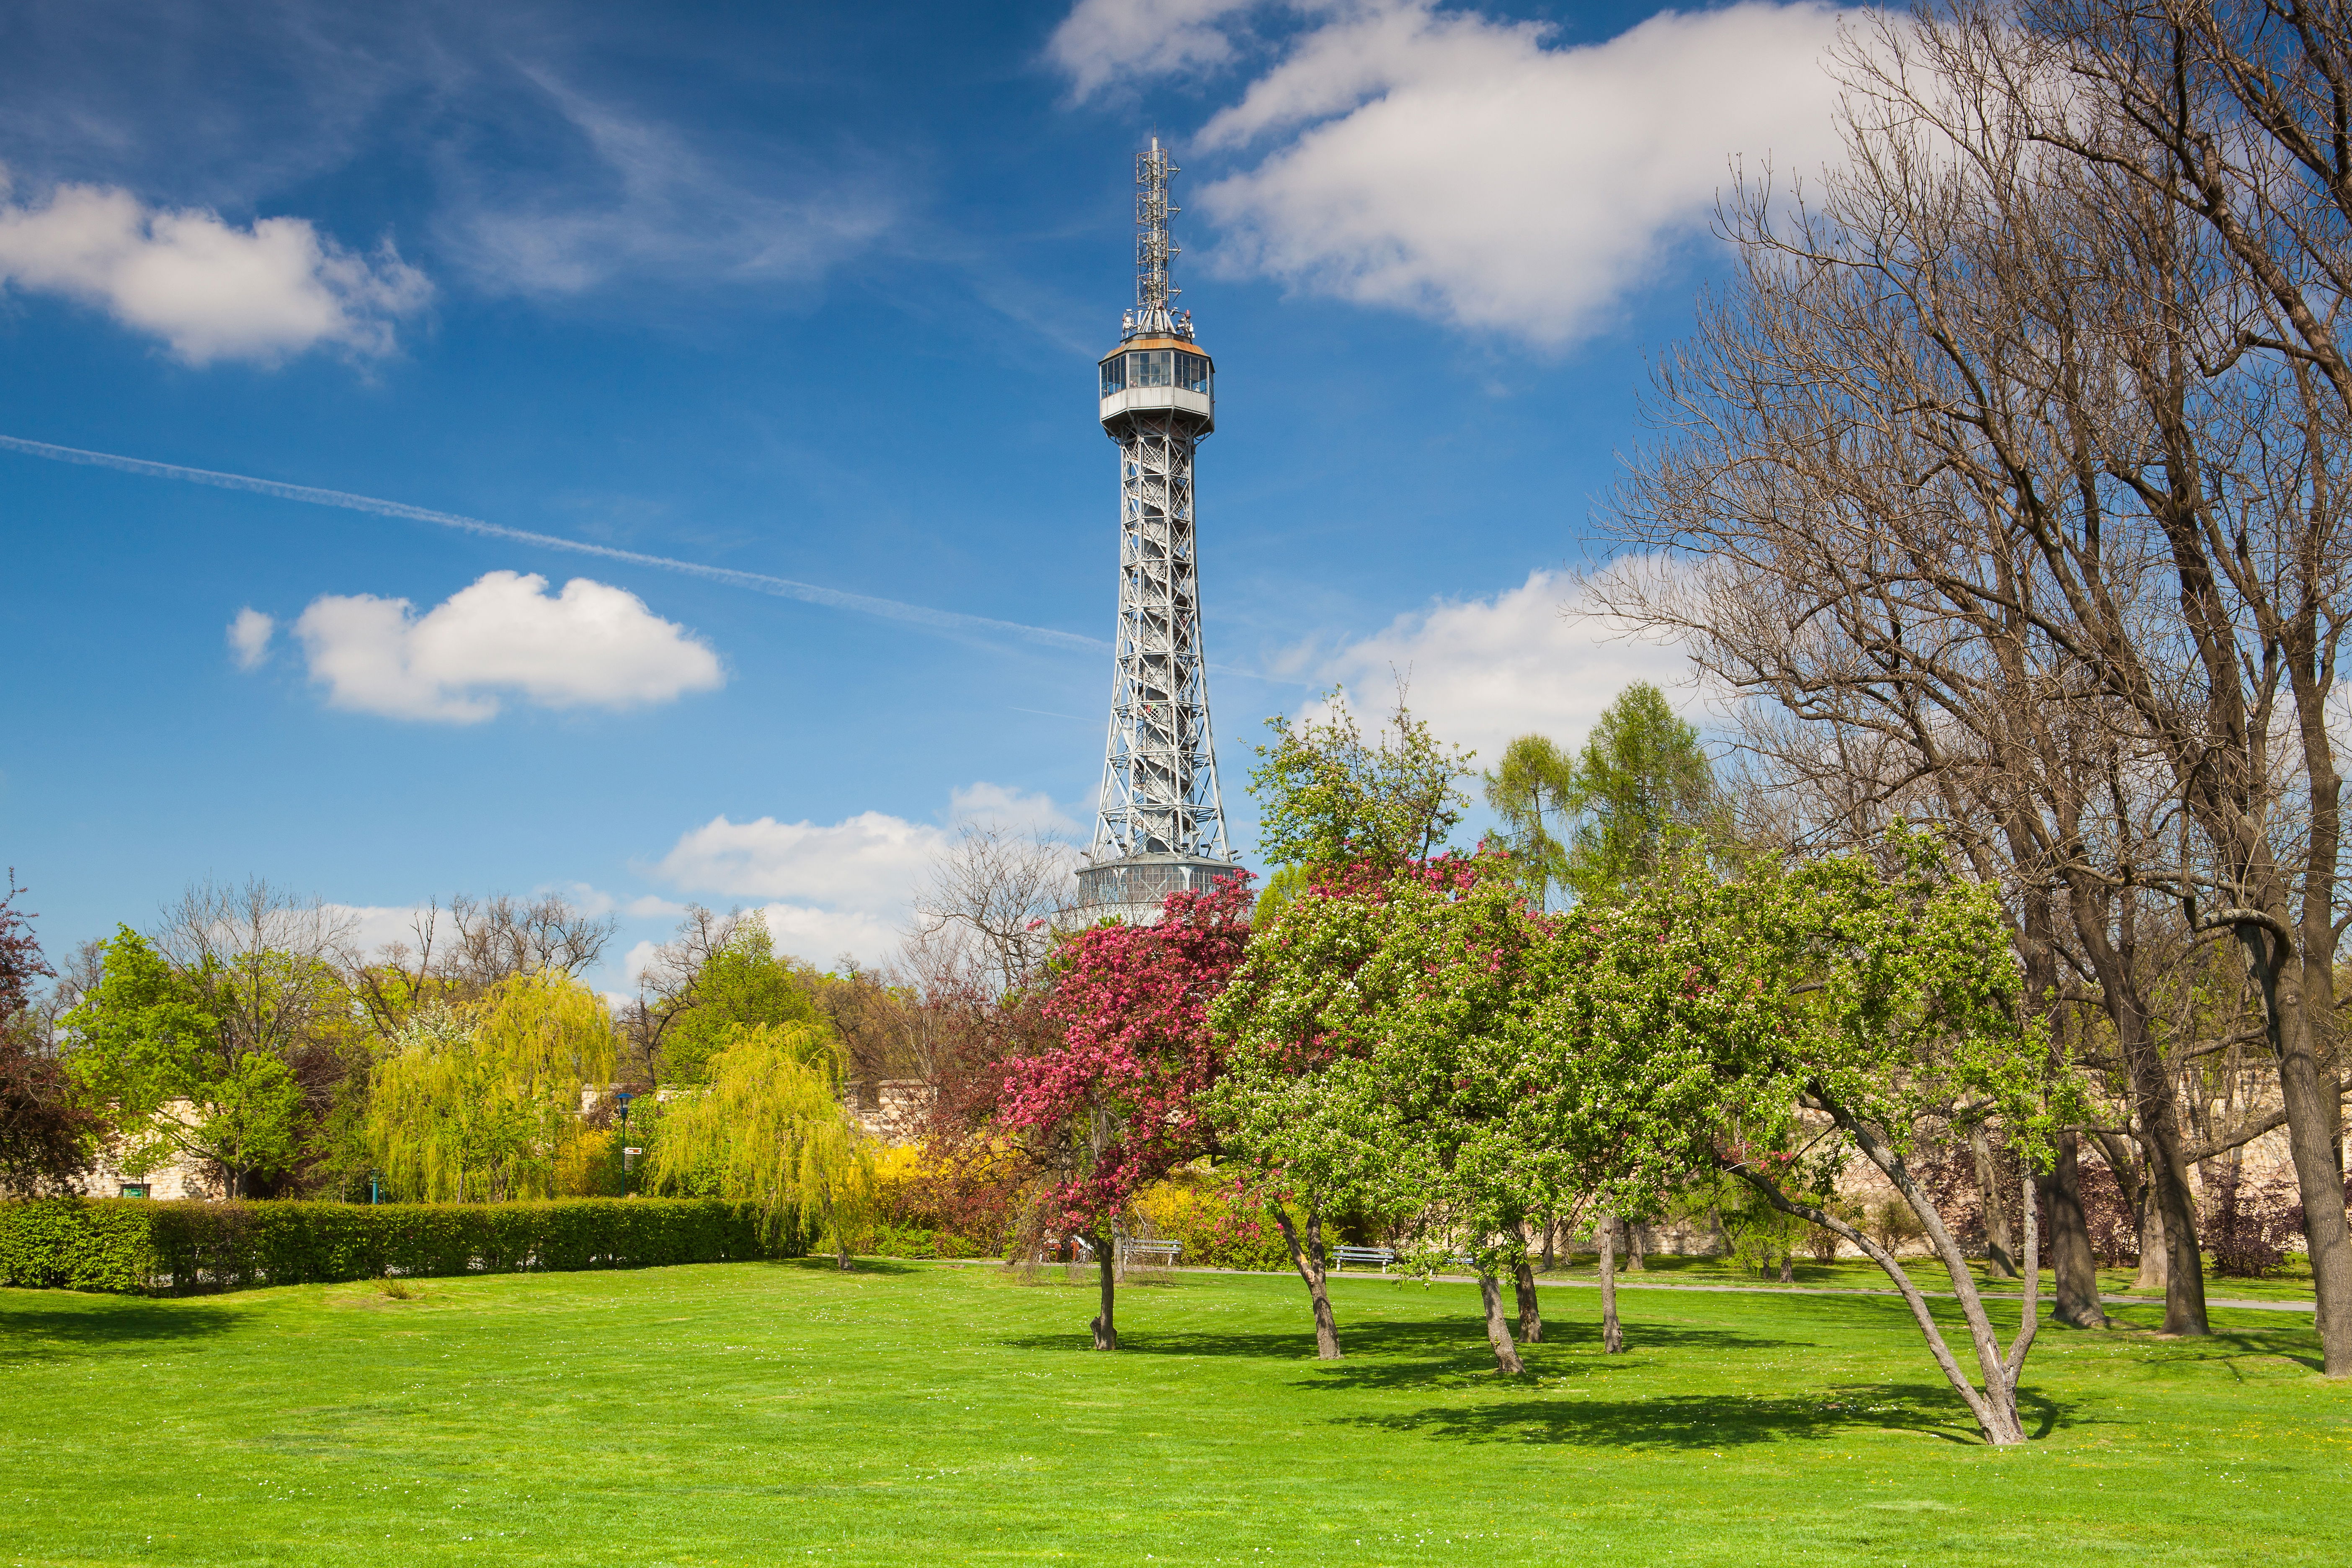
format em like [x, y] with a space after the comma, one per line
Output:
[768, 1412]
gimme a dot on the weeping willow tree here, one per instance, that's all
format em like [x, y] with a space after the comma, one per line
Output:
[481, 1105]
[770, 1128]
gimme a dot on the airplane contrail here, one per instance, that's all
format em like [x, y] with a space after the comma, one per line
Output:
[758, 582]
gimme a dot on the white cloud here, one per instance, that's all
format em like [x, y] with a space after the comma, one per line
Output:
[870, 862]
[649, 906]
[820, 936]
[1482, 670]
[997, 807]
[208, 288]
[249, 638]
[827, 888]
[814, 935]
[1456, 166]
[372, 928]
[592, 645]
[1101, 41]
[637, 961]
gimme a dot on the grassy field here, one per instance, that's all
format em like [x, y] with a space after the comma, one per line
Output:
[760, 1412]
[2290, 1282]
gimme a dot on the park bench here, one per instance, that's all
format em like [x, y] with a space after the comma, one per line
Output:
[1343, 1256]
[1151, 1254]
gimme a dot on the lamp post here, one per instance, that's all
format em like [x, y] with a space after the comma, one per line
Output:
[627, 1154]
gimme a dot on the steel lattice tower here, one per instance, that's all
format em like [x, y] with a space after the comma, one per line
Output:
[1161, 825]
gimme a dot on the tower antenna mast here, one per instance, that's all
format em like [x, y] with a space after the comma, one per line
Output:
[1155, 294]
[1159, 826]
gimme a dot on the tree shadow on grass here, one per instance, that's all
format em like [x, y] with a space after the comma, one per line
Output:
[1422, 1339]
[1413, 1353]
[1713, 1422]
[36, 1333]
[2232, 1350]
[1457, 1355]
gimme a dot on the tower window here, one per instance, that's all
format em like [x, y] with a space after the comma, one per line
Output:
[1155, 367]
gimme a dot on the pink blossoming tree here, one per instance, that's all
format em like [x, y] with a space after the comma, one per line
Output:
[1117, 1103]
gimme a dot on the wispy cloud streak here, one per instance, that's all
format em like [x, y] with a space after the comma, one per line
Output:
[758, 582]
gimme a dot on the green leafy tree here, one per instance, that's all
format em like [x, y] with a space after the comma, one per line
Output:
[1841, 1006]
[1379, 1061]
[1281, 889]
[1337, 815]
[1643, 800]
[741, 983]
[1529, 790]
[483, 1104]
[1764, 1239]
[770, 1128]
[1329, 798]
[1456, 973]
[157, 1046]
[1644, 794]
[1304, 1106]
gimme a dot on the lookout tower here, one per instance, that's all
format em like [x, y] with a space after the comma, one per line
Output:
[1160, 827]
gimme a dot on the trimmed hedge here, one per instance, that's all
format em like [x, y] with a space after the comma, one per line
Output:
[79, 1243]
[139, 1245]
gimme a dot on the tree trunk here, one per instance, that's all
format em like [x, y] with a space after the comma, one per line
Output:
[2153, 1272]
[1633, 1246]
[1106, 1325]
[2112, 950]
[1498, 1328]
[1789, 1267]
[2075, 1273]
[1523, 1280]
[2184, 1261]
[2167, 1179]
[1613, 1337]
[1551, 1236]
[2147, 1220]
[1310, 1262]
[1995, 1405]
[1997, 1255]
[2314, 1124]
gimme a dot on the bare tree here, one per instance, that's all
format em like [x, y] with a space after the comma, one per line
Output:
[992, 902]
[878, 1014]
[666, 984]
[2001, 492]
[266, 959]
[461, 952]
[84, 967]
[2230, 116]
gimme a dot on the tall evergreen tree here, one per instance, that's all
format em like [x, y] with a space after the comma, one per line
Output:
[1644, 794]
[1529, 790]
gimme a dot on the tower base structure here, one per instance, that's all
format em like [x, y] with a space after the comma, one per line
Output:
[1133, 887]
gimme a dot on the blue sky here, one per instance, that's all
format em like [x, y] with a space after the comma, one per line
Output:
[808, 292]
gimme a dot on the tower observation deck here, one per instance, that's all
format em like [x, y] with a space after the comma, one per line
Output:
[1161, 825]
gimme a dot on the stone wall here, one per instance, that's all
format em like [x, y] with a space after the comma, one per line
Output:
[891, 1110]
